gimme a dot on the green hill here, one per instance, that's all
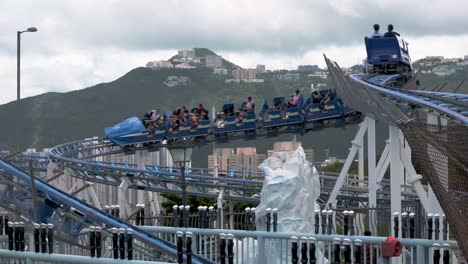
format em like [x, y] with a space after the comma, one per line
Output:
[53, 118]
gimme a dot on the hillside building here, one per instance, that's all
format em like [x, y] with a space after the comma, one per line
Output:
[308, 68]
[159, 64]
[261, 68]
[187, 53]
[213, 61]
[220, 71]
[238, 159]
[244, 74]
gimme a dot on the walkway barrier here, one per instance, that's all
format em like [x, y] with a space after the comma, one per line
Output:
[236, 246]
[7, 256]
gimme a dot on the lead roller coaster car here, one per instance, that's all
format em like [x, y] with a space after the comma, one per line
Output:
[388, 55]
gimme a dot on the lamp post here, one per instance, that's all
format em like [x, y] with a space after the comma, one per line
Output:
[18, 73]
[181, 154]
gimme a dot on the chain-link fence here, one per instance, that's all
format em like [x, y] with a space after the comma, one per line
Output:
[441, 154]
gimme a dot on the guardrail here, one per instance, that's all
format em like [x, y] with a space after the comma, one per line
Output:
[281, 247]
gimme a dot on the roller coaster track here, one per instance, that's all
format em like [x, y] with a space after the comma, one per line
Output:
[51, 199]
[452, 106]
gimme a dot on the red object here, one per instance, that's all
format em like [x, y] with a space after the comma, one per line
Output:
[391, 247]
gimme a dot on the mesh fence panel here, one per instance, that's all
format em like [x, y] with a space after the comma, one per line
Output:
[441, 153]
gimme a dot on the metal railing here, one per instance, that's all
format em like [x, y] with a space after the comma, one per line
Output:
[281, 247]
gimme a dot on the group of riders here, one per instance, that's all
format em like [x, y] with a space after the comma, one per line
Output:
[181, 116]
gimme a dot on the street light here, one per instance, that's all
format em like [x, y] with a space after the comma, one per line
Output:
[18, 79]
[181, 154]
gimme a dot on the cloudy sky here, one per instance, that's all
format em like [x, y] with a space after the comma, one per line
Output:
[84, 42]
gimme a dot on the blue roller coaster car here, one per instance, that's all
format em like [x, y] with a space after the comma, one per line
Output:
[280, 114]
[279, 117]
[388, 55]
[229, 123]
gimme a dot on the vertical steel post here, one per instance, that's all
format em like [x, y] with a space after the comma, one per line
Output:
[347, 250]
[129, 244]
[21, 236]
[175, 220]
[294, 248]
[230, 246]
[37, 242]
[50, 237]
[92, 241]
[180, 247]
[396, 224]
[222, 248]
[404, 224]
[411, 224]
[268, 219]
[115, 242]
[345, 222]
[337, 251]
[11, 239]
[98, 242]
[122, 243]
[358, 251]
[317, 222]
[304, 250]
[43, 238]
[17, 236]
[429, 225]
[188, 247]
[275, 219]
[312, 250]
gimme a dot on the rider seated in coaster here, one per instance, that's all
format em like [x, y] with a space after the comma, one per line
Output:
[204, 116]
[294, 101]
[150, 120]
[316, 97]
[247, 108]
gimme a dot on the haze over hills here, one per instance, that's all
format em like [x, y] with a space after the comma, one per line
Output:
[53, 118]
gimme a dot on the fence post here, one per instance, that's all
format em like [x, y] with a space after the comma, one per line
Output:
[230, 248]
[1, 223]
[337, 250]
[411, 225]
[17, 236]
[429, 226]
[200, 217]
[10, 232]
[330, 221]
[358, 251]
[324, 222]
[180, 247]
[275, 219]
[347, 250]
[129, 244]
[351, 222]
[436, 255]
[43, 238]
[186, 215]
[21, 236]
[142, 215]
[175, 220]
[444, 228]
[122, 243]
[115, 242]
[345, 222]
[98, 241]
[446, 258]
[404, 224]
[50, 237]
[210, 219]
[268, 219]
[188, 247]
[294, 248]
[181, 215]
[222, 248]
[304, 250]
[92, 241]
[117, 211]
[396, 221]
[37, 243]
[247, 218]
[317, 221]
[436, 226]
[253, 221]
[312, 250]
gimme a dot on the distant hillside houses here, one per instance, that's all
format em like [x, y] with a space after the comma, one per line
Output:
[172, 81]
[439, 65]
[308, 68]
[213, 61]
[159, 64]
[186, 53]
